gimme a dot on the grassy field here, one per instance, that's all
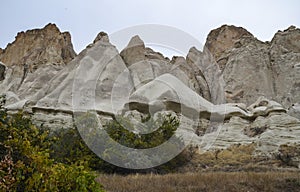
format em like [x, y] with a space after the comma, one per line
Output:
[197, 182]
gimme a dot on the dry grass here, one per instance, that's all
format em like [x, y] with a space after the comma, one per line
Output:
[234, 170]
[234, 159]
[197, 182]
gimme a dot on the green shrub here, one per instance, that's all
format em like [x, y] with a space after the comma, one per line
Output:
[167, 127]
[68, 146]
[26, 164]
[164, 126]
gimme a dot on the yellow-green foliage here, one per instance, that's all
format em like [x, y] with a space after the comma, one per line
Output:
[26, 164]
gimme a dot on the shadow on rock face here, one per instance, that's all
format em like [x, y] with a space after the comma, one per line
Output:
[2, 71]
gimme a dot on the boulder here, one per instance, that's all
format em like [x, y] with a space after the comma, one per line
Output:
[264, 106]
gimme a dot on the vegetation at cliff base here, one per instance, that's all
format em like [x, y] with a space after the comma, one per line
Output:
[26, 163]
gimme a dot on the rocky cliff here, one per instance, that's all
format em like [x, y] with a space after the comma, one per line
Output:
[238, 90]
[39, 46]
[28, 63]
[253, 68]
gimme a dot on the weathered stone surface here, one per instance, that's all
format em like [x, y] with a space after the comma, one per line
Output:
[52, 119]
[294, 110]
[139, 81]
[39, 46]
[248, 72]
[102, 36]
[205, 67]
[145, 65]
[90, 78]
[285, 63]
[252, 68]
[279, 128]
[190, 75]
[264, 106]
[32, 60]
[22, 91]
[222, 40]
[134, 51]
[166, 92]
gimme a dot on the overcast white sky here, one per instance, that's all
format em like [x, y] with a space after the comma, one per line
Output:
[85, 19]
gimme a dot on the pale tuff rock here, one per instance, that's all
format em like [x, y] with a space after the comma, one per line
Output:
[285, 63]
[257, 123]
[272, 131]
[144, 65]
[206, 68]
[166, 92]
[252, 68]
[40, 75]
[134, 52]
[294, 110]
[248, 73]
[72, 89]
[101, 62]
[32, 60]
[264, 106]
[191, 75]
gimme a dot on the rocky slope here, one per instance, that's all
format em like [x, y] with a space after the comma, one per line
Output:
[238, 90]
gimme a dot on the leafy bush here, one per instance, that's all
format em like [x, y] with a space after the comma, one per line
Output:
[164, 126]
[168, 125]
[26, 164]
[33, 159]
[69, 147]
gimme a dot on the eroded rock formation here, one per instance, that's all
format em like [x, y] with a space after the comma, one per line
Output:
[252, 68]
[39, 46]
[246, 89]
[32, 60]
